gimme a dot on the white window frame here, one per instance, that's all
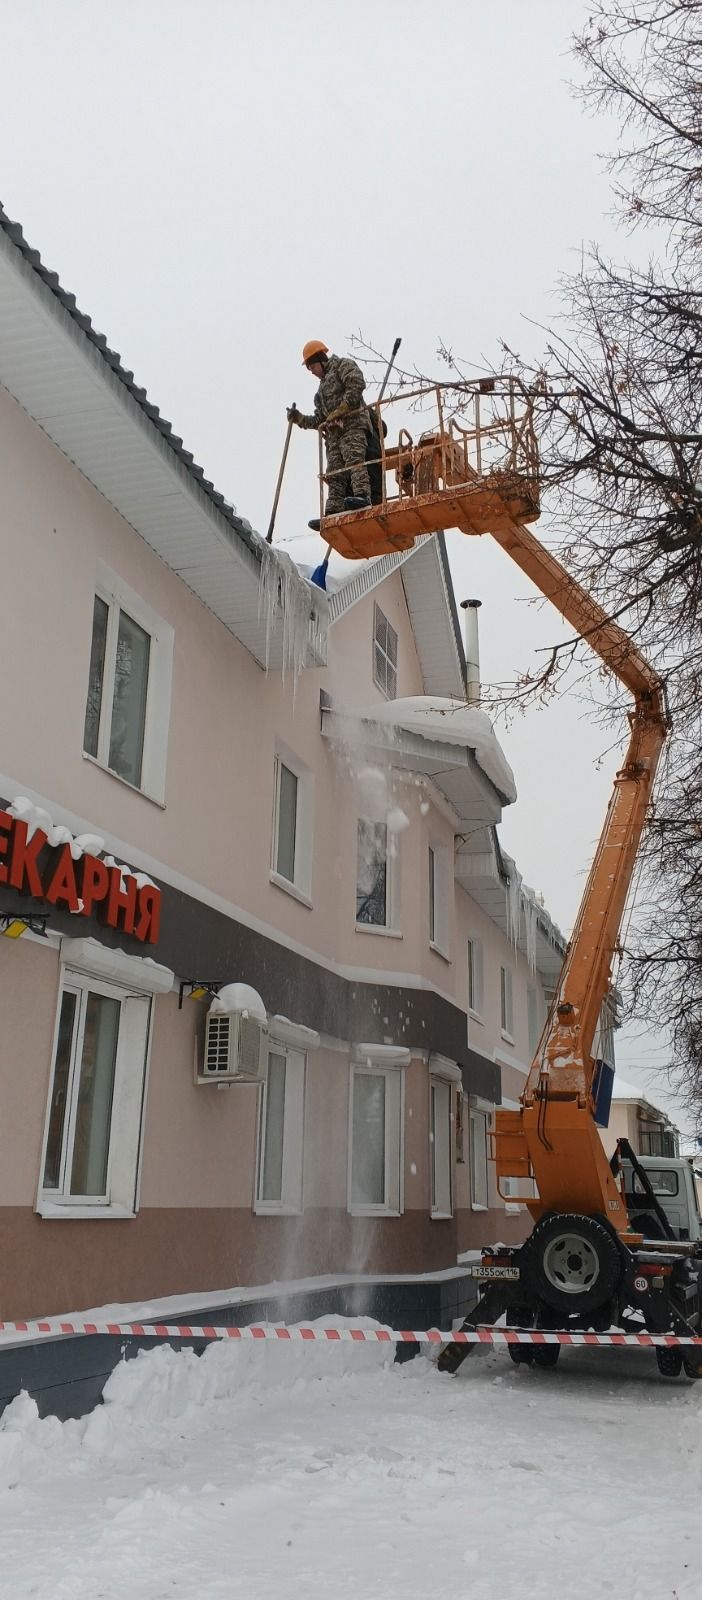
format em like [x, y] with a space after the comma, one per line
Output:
[292, 1198]
[300, 885]
[128, 1102]
[441, 1110]
[394, 1199]
[439, 900]
[118, 596]
[387, 683]
[476, 978]
[507, 1004]
[479, 1121]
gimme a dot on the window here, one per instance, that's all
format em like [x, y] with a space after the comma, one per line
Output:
[291, 857]
[663, 1182]
[506, 1009]
[376, 1141]
[384, 654]
[441, 1147]
[375, 859]
[281, 1132]
[533, 1028]
[475, 976]
[129, 684]
[287, 822]
[95, 1103]
[438, 899]
[478, 1160]
[658, 1142]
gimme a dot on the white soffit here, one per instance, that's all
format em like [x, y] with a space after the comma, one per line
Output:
[64, 382]
[453, 768]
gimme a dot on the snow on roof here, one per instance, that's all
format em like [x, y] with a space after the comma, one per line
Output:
[626, 1091]
[630, 1091]
[451, 721]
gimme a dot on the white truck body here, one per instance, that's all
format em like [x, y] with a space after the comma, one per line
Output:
[673, 1182]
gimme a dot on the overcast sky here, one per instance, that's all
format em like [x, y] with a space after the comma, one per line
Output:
[219, 181]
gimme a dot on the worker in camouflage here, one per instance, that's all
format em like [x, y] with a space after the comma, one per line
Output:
[340, 413]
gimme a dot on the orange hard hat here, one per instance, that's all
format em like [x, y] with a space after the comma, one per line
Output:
[314, 347]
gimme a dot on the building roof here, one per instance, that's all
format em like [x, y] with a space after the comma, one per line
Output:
[74, 386]
[113, 360]
[632, 1094]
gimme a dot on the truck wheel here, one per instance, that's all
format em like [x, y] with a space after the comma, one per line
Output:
[669, 1361]
[546, 1355]
[693, 1366]
[573, 1262]
[521, 1354]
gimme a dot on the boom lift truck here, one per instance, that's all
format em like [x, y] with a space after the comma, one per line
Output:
[585, 1266]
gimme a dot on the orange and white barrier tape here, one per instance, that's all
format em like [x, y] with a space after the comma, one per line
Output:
[55, 1328]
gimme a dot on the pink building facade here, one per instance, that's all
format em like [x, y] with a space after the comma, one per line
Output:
[213, 774]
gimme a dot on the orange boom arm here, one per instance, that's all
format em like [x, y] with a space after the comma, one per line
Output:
[553, 1138]
[484, 479]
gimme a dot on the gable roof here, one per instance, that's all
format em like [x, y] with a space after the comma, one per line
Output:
[65, 376]
[431, 604]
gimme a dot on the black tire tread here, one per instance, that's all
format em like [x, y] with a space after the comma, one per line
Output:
[599, 1235]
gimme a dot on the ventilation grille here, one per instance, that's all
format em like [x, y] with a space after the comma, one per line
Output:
[217, 1045]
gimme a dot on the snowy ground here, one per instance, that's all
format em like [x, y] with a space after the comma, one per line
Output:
[322, 1471]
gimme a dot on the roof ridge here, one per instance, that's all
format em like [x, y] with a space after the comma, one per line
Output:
[240, 525]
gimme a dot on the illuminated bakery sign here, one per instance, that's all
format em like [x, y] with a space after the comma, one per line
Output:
[87, 886]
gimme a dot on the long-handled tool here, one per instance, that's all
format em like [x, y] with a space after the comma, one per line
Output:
[286, 447]
[319, 576]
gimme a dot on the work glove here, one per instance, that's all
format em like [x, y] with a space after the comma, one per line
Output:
[338, 414]
[293, 415]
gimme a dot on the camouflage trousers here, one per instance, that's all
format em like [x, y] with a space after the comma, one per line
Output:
[346, 448]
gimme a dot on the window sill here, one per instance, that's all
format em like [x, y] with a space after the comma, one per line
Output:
[372, 1211]
[377, 929]
[476, 1017]
[475, 1207]
[264, 1208]
[152, 798]
[71, 1212]
[439, 952]
[508, 1037]
[441, 1216]
[291, 889]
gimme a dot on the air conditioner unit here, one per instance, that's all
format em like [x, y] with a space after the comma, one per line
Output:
[235, 1037]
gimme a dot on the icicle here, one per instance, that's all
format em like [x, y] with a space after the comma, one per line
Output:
[513, 895]
[284, 594]
[529, 907]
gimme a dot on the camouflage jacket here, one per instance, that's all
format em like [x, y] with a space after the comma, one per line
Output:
[342, 381]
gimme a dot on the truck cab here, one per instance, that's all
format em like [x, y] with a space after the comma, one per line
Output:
[673, 1182]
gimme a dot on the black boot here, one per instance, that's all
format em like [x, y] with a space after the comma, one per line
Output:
[356, 502]
[315, 525]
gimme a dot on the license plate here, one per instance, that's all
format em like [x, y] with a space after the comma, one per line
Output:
[494, 1272]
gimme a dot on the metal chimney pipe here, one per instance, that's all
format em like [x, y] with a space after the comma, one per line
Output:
[471, 608]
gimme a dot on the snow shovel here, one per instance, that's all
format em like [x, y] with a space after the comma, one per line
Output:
[278, 487]
[319, 576]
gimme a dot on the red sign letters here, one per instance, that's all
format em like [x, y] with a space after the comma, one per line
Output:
[87, 887]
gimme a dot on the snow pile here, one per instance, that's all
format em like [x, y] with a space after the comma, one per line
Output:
[451, 721]
[240, 997]
[262, 1473]
[161, 1385]
[36, 817]
[285, 596]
